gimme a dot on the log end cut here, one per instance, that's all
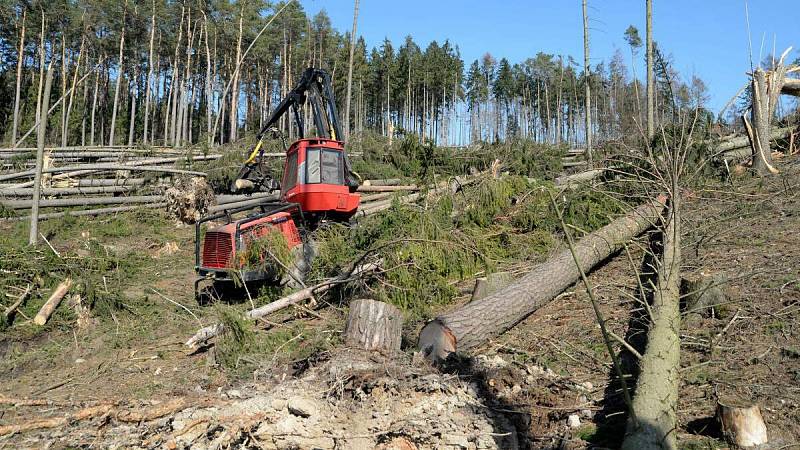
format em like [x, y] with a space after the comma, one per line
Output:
[436, 341]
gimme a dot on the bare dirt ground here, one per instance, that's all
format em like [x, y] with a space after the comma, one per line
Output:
[129, 382]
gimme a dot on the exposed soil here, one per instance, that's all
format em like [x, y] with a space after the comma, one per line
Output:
[520, 391]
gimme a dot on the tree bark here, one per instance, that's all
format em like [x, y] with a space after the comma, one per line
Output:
[477, 322]
[374, 326]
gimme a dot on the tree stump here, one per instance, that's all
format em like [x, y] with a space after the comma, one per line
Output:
[374, 325]
[700, 293]
[742, 426]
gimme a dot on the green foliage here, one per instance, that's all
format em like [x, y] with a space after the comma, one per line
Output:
[427, 252]
[269, 253]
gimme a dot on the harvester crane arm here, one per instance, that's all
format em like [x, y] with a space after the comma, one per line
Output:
[314, 87]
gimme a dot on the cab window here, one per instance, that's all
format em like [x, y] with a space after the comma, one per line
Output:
[324, 166]
[290, 176]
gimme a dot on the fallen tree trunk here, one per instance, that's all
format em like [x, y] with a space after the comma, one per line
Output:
[476, 322]
[744, 141]
[582, 177]
[791, 86]
[52, 303]
[655, 403]
[206, 333]
[374, 326]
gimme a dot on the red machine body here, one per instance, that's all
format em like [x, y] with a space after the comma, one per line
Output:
[314, 178]
[223, 245]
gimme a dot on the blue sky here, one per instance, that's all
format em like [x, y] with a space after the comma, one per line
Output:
[705, 37]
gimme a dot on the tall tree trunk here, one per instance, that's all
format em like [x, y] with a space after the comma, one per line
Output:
[134, 88]
[587, 77]
[149, 75]
[119, 80]
[94, 102]
[350, 73]
[651, 83]
[209, 92]
[20, 62]
[234, 116]
[72, 91]
[64, 73]
[33, 236]
[41, 73]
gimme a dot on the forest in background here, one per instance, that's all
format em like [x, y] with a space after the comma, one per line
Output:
[163, 73]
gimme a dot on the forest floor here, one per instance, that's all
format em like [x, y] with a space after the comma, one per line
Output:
[128, 381]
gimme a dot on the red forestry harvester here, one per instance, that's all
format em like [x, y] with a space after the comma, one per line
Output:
[318, 184]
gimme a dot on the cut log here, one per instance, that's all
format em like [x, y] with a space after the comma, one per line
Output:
[374, 326]
[204, 334]
[742, 426]
[93, 212]
[410, 187]
[52, 303]
[376, 197]
[477, 322]
[58, 192]
[84, 201]
[386, 182]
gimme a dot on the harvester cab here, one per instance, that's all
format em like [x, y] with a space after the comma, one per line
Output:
[317, 184]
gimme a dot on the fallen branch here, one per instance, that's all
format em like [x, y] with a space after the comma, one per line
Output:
[11, 309]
